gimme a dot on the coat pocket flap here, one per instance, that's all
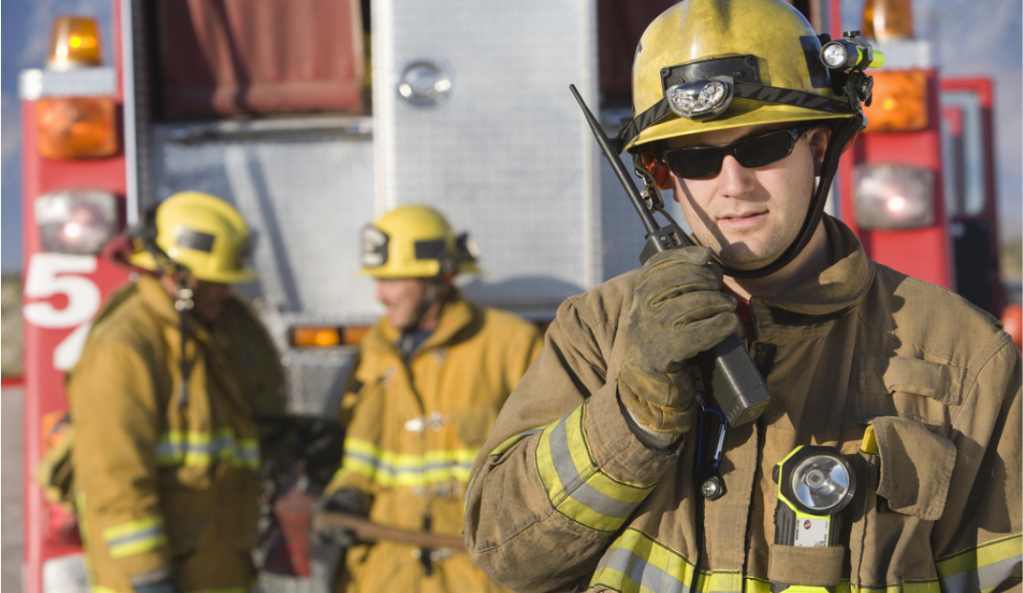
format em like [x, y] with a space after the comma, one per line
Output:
[922, 377]
[916, 467]
[818, 567]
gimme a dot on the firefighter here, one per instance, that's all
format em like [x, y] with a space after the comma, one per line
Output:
[164, 402]
[433, 373]
[602, 472]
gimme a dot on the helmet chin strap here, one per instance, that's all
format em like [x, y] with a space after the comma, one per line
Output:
[840, 137]
[436, 292]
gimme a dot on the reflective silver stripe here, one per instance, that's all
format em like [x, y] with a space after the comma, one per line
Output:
[395, 470]
[573, 483]
[639, 571]
[151, 533]
[982, 579]
[562, 458]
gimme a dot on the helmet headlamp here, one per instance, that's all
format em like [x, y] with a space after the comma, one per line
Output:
[702, 99]
[852, 52]
[373, 246]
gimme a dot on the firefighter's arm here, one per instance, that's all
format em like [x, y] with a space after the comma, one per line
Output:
[362, 409]
[977, 540]
[563, 469]
[116, 414]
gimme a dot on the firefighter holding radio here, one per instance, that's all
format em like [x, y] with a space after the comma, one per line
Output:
[888, 452]
[432, 375]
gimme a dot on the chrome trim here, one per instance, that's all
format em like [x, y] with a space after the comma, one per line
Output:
[270, 129]
[974, 182]
[902, 54]
[80, 82]
[130, 114]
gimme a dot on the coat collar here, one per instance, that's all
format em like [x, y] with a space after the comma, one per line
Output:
[838, 287]
[456, 315]
[158, 302]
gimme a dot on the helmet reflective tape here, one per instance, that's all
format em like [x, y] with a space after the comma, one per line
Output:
[430, 249]
[193, 239]
[373, 252]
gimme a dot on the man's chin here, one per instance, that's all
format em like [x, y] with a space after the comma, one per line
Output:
[741, 257]
[400, 323]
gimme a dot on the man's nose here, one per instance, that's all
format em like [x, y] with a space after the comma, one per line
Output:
[734, 180]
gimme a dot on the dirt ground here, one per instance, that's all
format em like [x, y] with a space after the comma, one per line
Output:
[10, 489]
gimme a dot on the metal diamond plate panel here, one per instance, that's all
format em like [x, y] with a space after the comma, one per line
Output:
[504, 153]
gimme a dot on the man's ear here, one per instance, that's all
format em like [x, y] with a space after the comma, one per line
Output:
[658, 170]
[819, 139]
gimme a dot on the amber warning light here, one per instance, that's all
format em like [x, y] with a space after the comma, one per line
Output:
[75, 42]
[312, 336]
[76, 127]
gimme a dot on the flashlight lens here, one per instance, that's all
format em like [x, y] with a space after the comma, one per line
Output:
[821, 483]
[835, 55]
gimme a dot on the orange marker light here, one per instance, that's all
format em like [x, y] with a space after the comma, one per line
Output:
[324, 336]
[900, 102]
[315, 337]
[888, 19]
[75, 42]
[76, 127]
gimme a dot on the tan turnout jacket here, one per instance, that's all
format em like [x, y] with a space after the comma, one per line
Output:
[166, 486]
[567, 498]
[414, 433]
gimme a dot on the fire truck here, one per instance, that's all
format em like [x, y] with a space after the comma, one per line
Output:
[313, 116]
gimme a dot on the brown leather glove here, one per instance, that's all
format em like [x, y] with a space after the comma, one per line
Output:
[679, 309]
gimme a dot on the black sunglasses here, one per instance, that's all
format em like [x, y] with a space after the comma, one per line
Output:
[757, 150]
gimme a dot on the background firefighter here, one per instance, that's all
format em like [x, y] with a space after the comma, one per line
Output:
[433, 373]
[603, 453]
[164, 402]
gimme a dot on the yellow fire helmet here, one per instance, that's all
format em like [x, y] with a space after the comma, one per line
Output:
[706, 65]
[414, 241]
[204, 234]
[709, 65]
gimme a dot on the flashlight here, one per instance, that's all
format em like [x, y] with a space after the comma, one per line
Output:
[852, 52]
[815, 484]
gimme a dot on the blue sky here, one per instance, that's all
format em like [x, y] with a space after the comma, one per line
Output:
[973, 37]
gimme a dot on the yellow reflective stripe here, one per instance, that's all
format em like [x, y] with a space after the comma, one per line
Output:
[509, 442]
[135, 537]
[388, 468]
[575, 486]
[132, 527]
[635, 563]
[202, 448]
[102, 589]
[982, 568]
[720, 582]
[137, 547]
[908, 587]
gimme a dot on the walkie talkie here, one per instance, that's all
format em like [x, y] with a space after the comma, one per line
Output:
[735, 384]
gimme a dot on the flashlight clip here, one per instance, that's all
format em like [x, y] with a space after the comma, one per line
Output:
[711, 418]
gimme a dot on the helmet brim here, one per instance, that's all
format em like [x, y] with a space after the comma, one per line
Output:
[741, 113]
[146, 261]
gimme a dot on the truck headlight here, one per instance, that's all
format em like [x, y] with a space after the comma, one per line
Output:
[890, 196]
[78, 222]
